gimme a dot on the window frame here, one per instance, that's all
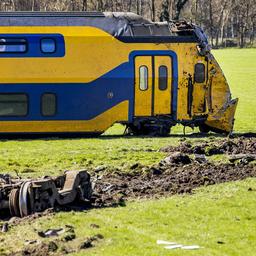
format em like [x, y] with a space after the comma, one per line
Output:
[47, 38]
[195, 76]
[27, 103]
[166, 78]
[14, 43]
[147, 80]
[41, 104]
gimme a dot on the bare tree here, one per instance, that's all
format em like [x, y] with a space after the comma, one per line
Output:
[227, 22]
[179, 6]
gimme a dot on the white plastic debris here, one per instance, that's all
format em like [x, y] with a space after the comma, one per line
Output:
[165, 242]
[172, 247]
[190, 247]
[51, 232]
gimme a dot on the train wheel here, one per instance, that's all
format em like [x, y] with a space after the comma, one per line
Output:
[24, 200]
[14, 203]
[203, 128]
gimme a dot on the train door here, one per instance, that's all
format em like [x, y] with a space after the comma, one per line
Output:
[153, 80]
[162, 85]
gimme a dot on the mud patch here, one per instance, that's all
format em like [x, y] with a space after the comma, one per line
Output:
[114, 189]
[240, 145]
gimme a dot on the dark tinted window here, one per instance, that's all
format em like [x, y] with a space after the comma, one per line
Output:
[140, 30]
[48, 104]
[11, 45]
[143, 78]
[48, 45]
[199, 73]
[163, 78]
[13, 104]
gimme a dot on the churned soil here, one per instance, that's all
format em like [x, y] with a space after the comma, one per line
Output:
[178, 173]
[114, 189]
[240, 145]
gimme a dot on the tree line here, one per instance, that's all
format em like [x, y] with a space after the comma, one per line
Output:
[226, 22]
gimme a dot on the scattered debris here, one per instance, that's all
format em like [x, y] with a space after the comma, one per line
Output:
[174, 245]
[5, 227]
[191, 247]
[52, 246]
[177, 158]
[51, 232]
[70, 233]
[94, 225]
[245, 158]
[88, 243]
[28, 242]
[165, 242]
[200, 158]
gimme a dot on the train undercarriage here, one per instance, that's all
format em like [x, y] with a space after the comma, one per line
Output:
[161, 126]
[23, 197]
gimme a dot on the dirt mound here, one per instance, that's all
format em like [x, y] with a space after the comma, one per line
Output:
[165, 179]
[178, 172]
[241, 145]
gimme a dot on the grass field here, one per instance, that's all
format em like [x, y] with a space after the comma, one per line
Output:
[224, 213]
[239, 67]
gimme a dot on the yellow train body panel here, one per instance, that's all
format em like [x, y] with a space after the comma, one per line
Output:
[97, 79]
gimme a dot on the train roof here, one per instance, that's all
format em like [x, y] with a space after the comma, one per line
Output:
[125, 26]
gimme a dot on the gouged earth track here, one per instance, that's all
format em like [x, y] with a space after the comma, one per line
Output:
[180, 174]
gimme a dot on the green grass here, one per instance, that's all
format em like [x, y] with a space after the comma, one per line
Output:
[37, 157]
[239, 67]
[225, 212]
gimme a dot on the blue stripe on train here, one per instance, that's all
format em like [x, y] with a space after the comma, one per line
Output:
[78, 101]
[84, 101]
[33, 45]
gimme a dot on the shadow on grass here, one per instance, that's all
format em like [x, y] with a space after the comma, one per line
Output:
[53, 137]
[5, 215]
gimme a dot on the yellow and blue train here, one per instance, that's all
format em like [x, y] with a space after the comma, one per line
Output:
[82, 72]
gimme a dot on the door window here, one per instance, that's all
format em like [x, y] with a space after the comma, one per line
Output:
[163, 78]
[143, 78]
[199, 73]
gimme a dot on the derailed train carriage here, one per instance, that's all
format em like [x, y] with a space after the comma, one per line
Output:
[64, 73]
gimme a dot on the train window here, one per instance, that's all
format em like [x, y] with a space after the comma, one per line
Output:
[48, 45]
[143, 78]
[163, 78]
[48, 104]
[12, 45]
[199, 76]
[13, 104]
